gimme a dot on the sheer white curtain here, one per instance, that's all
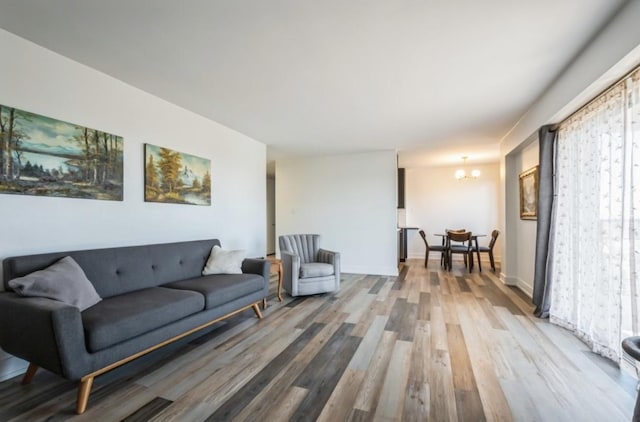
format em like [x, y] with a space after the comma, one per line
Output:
[631, 326]
[595, 250]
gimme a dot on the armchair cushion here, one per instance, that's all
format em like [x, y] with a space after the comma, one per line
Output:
[315, 269]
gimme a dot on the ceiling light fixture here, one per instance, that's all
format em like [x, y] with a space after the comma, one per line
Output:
[461, 174]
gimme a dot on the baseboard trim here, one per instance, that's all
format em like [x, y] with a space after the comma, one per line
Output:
[357, 269]
[527, 288]
[509, 281]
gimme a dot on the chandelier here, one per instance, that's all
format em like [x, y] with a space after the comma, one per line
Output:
[461, 174]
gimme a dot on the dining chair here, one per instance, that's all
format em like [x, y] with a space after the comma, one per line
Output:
[455, 231]
[444, 239]
[463, 247]
[488, 249]
[438, 248]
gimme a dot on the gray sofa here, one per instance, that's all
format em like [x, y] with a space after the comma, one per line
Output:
[151, 296]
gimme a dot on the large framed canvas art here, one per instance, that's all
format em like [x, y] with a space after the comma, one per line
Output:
[43, 156]
[175, 177]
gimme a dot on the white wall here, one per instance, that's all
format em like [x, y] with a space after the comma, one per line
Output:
[612, 53]
[348, 199]
[435, 201]
[46, 83]
[521, 232]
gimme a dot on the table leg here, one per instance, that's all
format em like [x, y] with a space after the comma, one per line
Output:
[280, 281]
[478, 254]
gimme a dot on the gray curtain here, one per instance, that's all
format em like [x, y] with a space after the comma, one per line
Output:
[544, 236]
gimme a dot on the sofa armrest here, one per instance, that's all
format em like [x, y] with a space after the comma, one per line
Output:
[258, 266]
[45, 332]
[333, 258]
[290, 271]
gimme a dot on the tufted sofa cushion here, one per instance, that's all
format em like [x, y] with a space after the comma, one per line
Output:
[219, 289]
[123, 317]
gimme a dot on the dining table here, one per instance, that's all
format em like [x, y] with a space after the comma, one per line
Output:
[474, 239]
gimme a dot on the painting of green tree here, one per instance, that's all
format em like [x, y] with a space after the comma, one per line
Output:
[48, 157]
[175, 177]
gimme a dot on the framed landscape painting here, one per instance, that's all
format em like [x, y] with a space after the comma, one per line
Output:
[175, 177]
[48, 157]
[529, 194]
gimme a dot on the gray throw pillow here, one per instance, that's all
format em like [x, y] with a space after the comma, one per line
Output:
[64, 281]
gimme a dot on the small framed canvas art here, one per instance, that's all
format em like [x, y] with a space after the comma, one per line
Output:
[529, 194]
[174, 177]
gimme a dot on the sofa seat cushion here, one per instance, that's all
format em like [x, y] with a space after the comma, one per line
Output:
[315, 269]
[219, 289]
[119, 318]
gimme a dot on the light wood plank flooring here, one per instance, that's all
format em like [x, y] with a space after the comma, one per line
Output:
[427, 345]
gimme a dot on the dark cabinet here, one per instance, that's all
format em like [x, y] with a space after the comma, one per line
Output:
[400, 188]
[403, 233]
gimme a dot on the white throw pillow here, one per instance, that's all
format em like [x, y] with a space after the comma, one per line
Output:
[222, 261]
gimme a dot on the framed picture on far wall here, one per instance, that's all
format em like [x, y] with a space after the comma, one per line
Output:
[529, 194]
[174, 177]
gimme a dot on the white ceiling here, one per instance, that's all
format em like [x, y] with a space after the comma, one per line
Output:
[433, 79]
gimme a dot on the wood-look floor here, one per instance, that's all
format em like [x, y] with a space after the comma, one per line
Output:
[427, 345]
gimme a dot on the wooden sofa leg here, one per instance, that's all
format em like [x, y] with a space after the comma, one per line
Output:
[256, 309]
[264, 303]
[28, 376]
[83, 394]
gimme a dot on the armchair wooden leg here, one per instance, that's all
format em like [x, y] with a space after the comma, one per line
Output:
[28, 376]
[264, 303]
[280, 281]
[493, 264]
[83, 394]
[256, 309]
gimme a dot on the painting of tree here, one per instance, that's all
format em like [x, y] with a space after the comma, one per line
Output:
[43, 156]
[175, 177]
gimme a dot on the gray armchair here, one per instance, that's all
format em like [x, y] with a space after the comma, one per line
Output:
[307, 269]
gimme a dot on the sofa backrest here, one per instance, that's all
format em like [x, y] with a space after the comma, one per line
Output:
[119, 270]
